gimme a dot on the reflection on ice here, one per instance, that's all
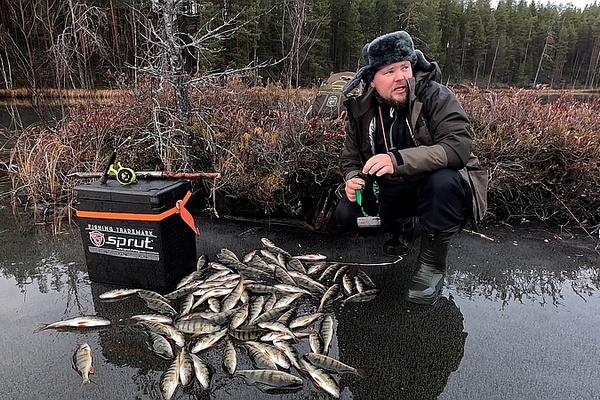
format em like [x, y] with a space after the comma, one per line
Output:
[51, 274]
[525, 286]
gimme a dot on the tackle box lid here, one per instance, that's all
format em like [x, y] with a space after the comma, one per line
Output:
[154, 192]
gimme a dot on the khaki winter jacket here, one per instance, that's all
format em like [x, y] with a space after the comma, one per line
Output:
[439, 128]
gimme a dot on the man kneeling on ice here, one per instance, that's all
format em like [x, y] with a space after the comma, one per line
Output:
[406, 155]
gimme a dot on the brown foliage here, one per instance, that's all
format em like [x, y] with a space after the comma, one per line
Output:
[543, 158]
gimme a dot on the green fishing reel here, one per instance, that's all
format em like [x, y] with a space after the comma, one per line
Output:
[125, 176]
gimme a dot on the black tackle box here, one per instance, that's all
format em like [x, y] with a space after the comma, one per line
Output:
[134, 236]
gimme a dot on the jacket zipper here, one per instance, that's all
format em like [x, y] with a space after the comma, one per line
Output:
[409, 112]
[394, 116]
[372, 130]
[412, 135]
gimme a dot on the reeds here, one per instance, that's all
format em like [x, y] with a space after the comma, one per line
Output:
[27, 93]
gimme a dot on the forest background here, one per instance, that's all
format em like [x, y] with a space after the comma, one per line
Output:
[98, 44]
[224, 86]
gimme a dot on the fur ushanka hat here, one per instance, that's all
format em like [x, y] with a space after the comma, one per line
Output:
[384, 50]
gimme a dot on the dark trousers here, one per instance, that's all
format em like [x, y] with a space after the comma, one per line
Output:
[442, 201]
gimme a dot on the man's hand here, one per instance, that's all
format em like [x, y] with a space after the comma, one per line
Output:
[352, 185]
[379, 165]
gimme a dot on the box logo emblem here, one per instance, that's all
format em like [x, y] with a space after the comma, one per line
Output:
[122, 242]
[97, 238]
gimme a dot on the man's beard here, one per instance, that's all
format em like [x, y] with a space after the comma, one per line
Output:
[398, 104]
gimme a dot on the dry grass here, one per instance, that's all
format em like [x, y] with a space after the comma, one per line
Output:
[41, 159]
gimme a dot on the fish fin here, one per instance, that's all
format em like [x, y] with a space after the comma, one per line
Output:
[41, 328]
[263, 387]
[92, 369]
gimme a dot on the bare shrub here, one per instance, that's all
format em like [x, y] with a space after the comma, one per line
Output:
[272, 159]
[543, 157]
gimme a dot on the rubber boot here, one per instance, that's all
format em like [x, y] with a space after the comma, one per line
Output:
[426, 282]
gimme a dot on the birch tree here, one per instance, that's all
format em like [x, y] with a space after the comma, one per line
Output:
[548, 45]
[80, 46]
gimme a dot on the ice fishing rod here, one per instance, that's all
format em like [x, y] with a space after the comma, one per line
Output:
[381, 264]
[151, 175]
[127, 176]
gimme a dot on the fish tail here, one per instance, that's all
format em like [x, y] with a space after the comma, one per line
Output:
[87, 381]
[362, 372]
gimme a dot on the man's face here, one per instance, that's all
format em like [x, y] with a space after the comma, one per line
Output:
[391, 82]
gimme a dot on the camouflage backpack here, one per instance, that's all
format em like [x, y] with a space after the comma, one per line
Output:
[328, 102]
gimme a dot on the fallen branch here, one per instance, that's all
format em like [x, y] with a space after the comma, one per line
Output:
[568, 210]
[271, 221]
[481, 235]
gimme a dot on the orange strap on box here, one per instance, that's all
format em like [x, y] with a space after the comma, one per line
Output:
[178, 209]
